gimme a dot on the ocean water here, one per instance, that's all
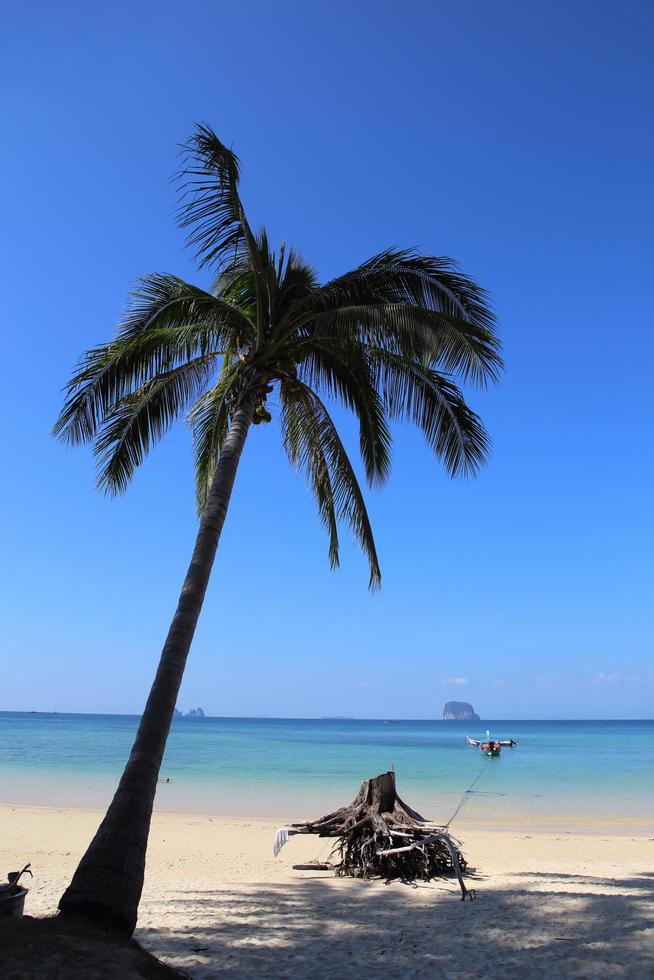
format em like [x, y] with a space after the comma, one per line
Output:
[563, 775]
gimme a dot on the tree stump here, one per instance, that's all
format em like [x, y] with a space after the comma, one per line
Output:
[381, 836]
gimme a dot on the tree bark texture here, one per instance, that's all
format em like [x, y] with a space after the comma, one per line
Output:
[108, 881]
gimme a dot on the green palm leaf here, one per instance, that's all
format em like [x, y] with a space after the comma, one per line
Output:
[316, 443]
[452, 344]
[305, 450]
[141, 418]
[405, 276]
[164, 301]
[209, 421]
[210, 205]
[436, 405]
[169, 323]
[343, 372]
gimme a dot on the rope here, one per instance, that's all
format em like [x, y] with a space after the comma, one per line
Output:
[464, 798]
[317, 860]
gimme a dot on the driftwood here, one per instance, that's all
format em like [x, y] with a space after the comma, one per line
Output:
[381, 836]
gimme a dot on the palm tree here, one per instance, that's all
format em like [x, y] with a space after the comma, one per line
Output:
[388, 340]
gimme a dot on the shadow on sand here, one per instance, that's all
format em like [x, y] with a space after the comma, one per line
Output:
[322, 927]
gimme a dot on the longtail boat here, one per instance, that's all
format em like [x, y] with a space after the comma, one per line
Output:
[490, 746]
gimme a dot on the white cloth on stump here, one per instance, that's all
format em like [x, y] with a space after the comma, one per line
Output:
[281, 838]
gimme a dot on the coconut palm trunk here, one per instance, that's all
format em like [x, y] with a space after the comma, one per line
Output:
[108, 882]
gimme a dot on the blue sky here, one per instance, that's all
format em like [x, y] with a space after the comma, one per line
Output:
[516, 138]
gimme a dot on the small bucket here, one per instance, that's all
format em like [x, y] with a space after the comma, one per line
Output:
[13, 905]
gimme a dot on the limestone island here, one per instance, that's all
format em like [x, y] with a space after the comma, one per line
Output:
[193, 713]
[459, 711]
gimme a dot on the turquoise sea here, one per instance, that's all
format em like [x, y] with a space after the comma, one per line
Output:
[563, 775]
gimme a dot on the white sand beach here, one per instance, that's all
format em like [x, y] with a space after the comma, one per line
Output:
[216, 903]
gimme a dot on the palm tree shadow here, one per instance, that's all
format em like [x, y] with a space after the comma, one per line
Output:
[644, 881]
[328, 928]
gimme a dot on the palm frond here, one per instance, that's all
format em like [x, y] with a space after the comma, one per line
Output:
[343, 372]
[417, 393]
[267, 285]
[210, 205]
[168, 324]
[209, 421]
[305, 451]
[235, 284]
[434, 282]
[315, 428]
[457, 318]
[137, 421]
[296, 278]
[162, 300]
[451, 344]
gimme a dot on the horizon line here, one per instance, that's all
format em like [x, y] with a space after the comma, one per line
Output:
[131, 714]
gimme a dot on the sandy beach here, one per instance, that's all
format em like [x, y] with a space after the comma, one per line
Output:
[216, 902]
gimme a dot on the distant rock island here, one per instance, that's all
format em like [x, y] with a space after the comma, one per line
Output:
[193, 713]
[459, 711]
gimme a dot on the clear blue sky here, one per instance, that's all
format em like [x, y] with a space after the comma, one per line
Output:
[516, 138]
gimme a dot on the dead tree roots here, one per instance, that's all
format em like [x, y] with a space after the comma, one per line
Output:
[380, 836]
